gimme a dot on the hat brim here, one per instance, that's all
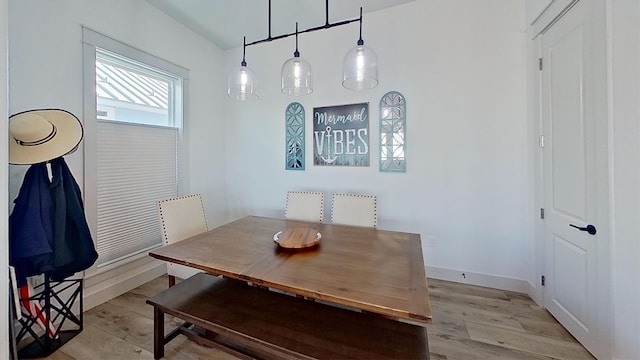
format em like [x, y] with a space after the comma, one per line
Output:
[66, 140]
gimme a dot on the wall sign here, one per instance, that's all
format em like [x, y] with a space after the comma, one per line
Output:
[341, 135]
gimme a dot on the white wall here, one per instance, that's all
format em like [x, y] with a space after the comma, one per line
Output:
[461, 67]
[624, 32]
[45, 59]
[4, 243]
[534, 8]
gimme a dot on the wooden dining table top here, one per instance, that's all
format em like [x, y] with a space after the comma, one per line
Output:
[369, 269]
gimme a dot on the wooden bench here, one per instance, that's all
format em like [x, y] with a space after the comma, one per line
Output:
[263, 323]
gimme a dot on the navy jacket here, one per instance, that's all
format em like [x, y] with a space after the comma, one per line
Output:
[48, 231]
[31, 226]
[73, 248]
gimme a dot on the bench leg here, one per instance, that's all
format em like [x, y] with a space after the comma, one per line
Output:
[158, 333]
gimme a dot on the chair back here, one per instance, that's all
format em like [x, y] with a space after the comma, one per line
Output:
[304, 206]
[181, 217]
[354, 209]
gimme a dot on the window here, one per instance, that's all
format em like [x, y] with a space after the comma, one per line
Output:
[133, 121]
[130, 92]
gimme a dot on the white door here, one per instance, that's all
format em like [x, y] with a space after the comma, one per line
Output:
[573, 224]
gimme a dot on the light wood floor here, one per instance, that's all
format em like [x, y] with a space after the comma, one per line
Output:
[469, 322]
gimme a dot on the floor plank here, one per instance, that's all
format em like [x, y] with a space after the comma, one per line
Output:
[93, 343]
[547, 327]
[530, 343]
[182, 348]
[469, 313]
[448, 326]
[60, 355]
[466, 349]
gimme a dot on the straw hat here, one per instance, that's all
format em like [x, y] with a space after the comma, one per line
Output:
[40, 135]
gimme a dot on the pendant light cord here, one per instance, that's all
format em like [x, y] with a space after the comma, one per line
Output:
[326, 13]
[360, 41]
[270, 19]
[296, 53]
[244, 50]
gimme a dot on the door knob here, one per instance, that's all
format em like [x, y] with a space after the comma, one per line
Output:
[589, 228]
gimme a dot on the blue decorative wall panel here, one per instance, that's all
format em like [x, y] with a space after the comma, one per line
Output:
[294, 118]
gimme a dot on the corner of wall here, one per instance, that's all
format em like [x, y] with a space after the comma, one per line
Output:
[535, 293]
[4, 156]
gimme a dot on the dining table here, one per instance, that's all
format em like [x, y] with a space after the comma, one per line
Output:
[362, 268]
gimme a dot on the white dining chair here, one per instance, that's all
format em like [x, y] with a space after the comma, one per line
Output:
[181, 217]
[304, 206]
[354, 209]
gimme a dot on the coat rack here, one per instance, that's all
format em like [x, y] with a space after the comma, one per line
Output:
[48, 319]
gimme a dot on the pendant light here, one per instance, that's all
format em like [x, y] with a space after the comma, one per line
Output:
[360, 66]
[296, 76]
[242, 80]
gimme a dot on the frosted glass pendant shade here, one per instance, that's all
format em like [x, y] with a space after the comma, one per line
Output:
[296, 77]
[360, 68]
[242, 84]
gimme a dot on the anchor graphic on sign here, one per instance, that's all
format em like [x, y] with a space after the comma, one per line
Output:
[320, 144]
[328, 160]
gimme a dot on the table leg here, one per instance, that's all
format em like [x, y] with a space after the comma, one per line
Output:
[158, 333]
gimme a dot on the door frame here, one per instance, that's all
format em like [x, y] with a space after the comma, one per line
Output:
[596, 12]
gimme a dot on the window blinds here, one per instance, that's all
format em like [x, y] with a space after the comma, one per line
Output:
[137, 166]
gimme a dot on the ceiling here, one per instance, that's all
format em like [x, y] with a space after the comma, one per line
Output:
[225, 22]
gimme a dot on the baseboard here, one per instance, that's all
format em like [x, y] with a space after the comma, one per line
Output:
[467, 277]
[107, 289]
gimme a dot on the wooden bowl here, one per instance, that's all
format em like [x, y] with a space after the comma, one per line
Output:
[297, 238]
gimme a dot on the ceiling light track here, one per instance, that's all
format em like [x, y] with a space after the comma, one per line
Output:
[327, 25]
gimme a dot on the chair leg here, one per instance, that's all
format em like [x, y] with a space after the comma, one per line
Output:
[172, 280]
